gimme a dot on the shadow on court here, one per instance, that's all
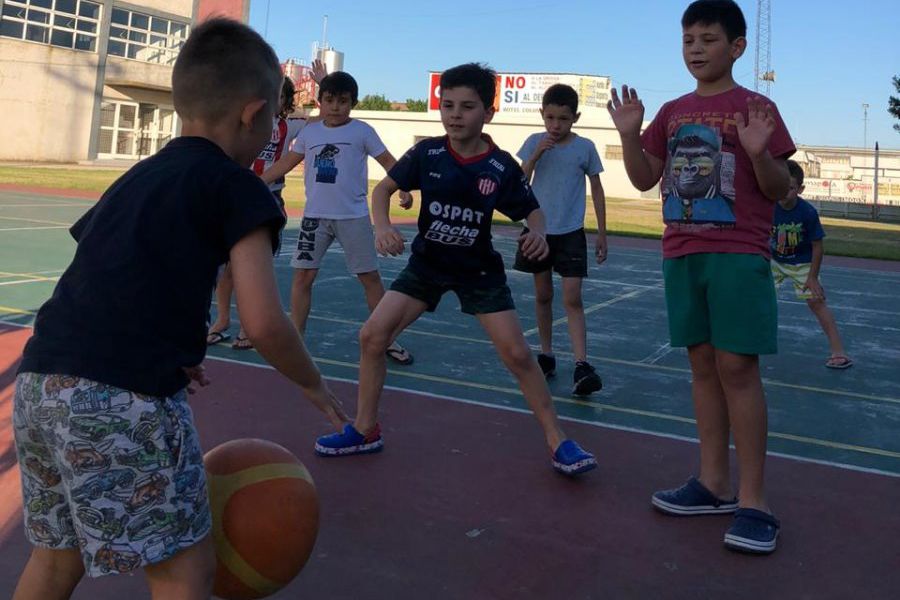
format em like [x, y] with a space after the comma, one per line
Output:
[463, 504]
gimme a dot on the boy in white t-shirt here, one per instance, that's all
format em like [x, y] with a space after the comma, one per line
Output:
[337, 205]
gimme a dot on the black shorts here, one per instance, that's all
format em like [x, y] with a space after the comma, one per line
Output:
[568, 256]
[473, 300]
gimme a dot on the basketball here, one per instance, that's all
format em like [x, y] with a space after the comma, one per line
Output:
[265, 515]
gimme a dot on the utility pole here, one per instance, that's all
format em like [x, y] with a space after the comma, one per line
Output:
[865, 107]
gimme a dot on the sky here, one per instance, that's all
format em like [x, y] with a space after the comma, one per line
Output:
[829, 57]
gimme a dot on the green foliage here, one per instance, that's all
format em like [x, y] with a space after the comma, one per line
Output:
[415, 105]
[374, 102]
[894, 103]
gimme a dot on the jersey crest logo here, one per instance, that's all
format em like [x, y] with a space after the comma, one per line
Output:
[486, 184]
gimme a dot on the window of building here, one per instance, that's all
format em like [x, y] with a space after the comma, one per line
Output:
[64, 23]
[613, 152]
[144, 37]
[133, 130]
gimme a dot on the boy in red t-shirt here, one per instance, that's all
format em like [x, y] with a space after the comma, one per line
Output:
[720, 152]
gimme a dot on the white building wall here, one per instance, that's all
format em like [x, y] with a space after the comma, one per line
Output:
[46, 99]
[400, 130]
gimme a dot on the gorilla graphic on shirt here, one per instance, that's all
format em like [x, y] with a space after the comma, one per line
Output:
[698, 186]
[325, 165]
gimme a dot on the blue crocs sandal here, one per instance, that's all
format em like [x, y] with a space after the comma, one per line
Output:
[571, 459]
[350, 441]
[692, 499]
[752, 531]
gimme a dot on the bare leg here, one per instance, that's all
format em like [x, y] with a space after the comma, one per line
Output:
[372, 287]
[574, 306]
[711, 411]
[301, 297]
[186, 576]
[392, 315]
[739, 374]
[224, 287]
[829, 325]
[505, 332]
[50, 575]
[543, 308]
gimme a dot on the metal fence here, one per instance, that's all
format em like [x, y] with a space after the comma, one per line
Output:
[856, 210]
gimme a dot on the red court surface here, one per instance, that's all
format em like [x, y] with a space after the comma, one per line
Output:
[463, 504]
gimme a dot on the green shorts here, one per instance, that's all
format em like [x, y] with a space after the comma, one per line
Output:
[473, 300]
[725, 299]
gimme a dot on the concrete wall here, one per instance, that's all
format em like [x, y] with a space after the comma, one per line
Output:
[46, 100]
[399, 130]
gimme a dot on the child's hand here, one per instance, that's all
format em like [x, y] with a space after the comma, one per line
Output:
[533, 245]
[815, 288]
[328, 403]
[319, 71]
[389, 241]
[545, 144]
[627, 114]
[197, 374]
[758, 128]
[406, 200]
[600, 249]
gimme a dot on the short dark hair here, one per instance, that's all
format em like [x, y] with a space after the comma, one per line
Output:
[561, 94]
[338, 83]
[723, 12]
[477, 76]
[288, 102]
[796, 171]
[223, 63]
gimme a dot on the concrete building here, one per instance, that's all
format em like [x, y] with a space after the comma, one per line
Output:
[91, 79]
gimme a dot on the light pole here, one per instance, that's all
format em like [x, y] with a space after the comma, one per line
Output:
[865, 107]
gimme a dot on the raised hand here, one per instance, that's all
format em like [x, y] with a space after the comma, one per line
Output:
[628, 113]
[389, 241]
[755, 131]
[319, 71]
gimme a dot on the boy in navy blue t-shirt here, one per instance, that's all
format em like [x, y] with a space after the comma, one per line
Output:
[463, 178]
[104, 433]
[797, 255]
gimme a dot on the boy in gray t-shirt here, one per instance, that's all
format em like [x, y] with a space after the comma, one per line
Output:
[559, 160]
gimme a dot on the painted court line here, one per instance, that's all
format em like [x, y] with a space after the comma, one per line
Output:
[29, 280]
[663, 350]
[596, 307]
[35, 221]
[33, 228]
[637, 430]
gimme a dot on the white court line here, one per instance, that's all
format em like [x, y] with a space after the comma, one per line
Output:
[526, 411]
[34, 228]
[43, 205]
[663, 351]
[32, 280]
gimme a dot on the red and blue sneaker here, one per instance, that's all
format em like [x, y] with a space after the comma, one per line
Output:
[350, 441]
[571, 459]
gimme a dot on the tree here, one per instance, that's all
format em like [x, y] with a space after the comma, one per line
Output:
[894, 103]
[374, 102]
[414, 105]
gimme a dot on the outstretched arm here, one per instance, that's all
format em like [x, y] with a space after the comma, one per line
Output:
[282, 167]
[265, 323]
[387, 160]
[643, 169]
[754, 133]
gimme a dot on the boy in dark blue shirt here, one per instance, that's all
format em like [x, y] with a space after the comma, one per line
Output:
[463, 177]
[797, 255]
[103, 430]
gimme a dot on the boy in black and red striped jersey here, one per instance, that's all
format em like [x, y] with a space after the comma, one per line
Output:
[463, 178]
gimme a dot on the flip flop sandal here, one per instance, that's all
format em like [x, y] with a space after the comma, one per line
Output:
[242, 343]
[839, 362]
[217, 337]
[399, 354]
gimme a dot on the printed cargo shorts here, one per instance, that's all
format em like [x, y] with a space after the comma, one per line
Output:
[116, 474]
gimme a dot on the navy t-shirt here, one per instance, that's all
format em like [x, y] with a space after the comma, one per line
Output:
[131, 310]
[459, 196]
[794, 231]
